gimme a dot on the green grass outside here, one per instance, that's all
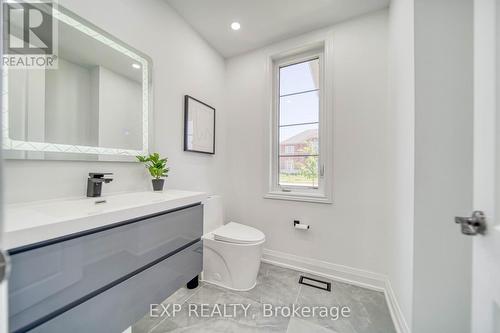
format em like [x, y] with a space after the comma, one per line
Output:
[291, 179]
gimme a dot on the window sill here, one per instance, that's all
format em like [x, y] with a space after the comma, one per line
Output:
[303, 197]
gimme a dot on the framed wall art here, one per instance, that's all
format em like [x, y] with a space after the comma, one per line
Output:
[199, 126]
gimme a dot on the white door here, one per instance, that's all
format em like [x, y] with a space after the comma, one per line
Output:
[3, 282]
[3, 300]
[3, 269]
[486, 249]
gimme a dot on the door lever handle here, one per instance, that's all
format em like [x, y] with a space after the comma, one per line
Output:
[473, 225]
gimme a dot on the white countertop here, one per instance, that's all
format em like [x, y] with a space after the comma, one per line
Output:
[33, 222]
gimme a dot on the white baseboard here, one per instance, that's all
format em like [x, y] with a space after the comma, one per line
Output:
[335, 272]
[397, 315]
[341, 273]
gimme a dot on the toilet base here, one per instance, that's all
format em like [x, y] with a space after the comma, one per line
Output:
[226, 287]
[193, 284]
[231, 265]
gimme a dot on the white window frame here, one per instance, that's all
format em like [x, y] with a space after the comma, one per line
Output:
[323, 194]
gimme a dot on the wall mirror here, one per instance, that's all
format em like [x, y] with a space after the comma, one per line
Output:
[94, 106]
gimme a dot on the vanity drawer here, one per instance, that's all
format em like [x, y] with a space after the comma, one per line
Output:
[50, 278]
[121, 306]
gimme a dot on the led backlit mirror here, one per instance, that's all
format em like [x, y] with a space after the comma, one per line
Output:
[94, 105]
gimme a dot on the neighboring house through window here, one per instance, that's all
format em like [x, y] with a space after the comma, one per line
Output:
[289, 149]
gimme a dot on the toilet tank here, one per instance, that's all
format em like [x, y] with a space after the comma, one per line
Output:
[213, 214]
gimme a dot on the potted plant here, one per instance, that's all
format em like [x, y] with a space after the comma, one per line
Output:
[157, 167]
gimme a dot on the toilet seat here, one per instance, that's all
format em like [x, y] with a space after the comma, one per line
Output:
[238, 234]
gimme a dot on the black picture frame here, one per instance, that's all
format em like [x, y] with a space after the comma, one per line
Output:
[187, 100]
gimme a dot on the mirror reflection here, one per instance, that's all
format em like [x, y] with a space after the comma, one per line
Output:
[94, 98]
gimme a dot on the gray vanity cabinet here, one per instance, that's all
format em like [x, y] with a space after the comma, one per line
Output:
[103, 280]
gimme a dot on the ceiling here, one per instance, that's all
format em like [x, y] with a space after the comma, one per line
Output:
[265, 21]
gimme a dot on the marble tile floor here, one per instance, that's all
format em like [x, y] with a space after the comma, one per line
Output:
[276, 286]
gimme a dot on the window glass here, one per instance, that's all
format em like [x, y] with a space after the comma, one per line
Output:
[300, 77]
[299, 124]
[299, 108]
[299, 171]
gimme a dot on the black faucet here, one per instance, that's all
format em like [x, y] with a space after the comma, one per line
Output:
[94, 183]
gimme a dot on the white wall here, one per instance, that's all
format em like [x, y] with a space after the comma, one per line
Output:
[443, 164]
[402, 127]
[183, 64]
[352, 231]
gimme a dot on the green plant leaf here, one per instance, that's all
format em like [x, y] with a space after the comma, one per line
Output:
[156, 165]
[143, 159]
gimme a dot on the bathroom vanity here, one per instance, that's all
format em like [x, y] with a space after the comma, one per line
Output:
[95, 265]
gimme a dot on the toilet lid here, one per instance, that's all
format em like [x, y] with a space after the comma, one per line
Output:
[238, 233]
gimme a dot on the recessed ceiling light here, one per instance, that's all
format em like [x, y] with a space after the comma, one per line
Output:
[136, 66]
[235, 26]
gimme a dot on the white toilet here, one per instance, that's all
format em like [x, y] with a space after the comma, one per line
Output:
[231, 252]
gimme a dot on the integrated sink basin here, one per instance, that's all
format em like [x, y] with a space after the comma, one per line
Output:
[34, 222]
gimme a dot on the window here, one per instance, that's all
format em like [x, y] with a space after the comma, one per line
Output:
[289, 149]
[298, 147]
